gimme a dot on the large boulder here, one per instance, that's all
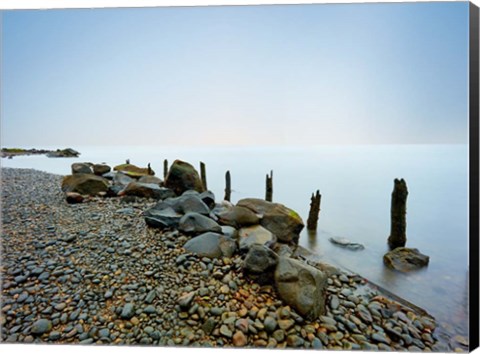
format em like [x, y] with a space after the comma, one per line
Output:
[166, 218]
[237, 216]
[301, 286]
[254, 235]
[194, 223]
[405, 259]
[211, 245]
[182, 176]
[84, 183]
[100, 169]
[147, 190]
[134, 171]
[283, 222]
[81, 167]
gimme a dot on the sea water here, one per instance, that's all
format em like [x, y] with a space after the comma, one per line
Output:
[356, 183]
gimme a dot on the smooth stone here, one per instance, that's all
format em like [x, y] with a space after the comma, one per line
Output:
[270, 324]
[128, 311]
[225, 331]
[294, 341]
[41, 326]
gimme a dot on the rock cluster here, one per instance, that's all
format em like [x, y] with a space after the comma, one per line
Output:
[95, 272]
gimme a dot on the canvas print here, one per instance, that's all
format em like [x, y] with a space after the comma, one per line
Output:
[281, 176]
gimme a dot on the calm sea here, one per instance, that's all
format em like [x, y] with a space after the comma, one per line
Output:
[356, 183]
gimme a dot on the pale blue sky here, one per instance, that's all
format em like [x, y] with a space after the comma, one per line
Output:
[257, 75]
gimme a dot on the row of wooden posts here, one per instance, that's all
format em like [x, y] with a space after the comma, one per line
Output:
[314, 203]
[397, 236]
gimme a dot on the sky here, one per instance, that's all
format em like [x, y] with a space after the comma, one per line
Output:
[249, 75]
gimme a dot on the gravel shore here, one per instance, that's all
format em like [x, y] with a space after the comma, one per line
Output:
[94, 273]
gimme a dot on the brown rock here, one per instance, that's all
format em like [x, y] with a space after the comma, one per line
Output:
[283, 222]
[182, 177]
[73, 198]
[239, 339]
[84, 183]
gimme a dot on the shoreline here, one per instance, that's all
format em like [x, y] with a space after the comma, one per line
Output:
[103, 223]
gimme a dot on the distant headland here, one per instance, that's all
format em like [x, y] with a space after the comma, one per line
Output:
[11, 152]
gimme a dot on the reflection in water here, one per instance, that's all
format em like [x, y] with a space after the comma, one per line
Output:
[312, 239]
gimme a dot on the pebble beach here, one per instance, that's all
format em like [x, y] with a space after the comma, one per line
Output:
[95, 273]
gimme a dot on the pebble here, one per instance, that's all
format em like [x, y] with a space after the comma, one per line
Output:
[225, 331]
[41, 326]
[239, 339]
[128, 311]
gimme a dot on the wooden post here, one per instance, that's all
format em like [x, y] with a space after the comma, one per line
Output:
[149, 169]
[314, 211]
[165, 168]
[228, 189]
[203, 175]
[398, 211]
[269, 187]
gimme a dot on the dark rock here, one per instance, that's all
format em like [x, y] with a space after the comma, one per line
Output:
[194, 223]
[101, 169]
[80, 167]
[343, 242]
[301, 286]
[163, 218]
[211, 245]
[209, 326]
[134, 171]
[283, 222]
[84, 184]
[260, 260]
[208, 198]
[405, 259]
[74, 198]
[182, 176]
[187, 203]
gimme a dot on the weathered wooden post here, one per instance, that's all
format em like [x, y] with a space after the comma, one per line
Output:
[269, 187]
[228, 189]
[314, 211]
[165, 168]
[398, 211]
[203, 175]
